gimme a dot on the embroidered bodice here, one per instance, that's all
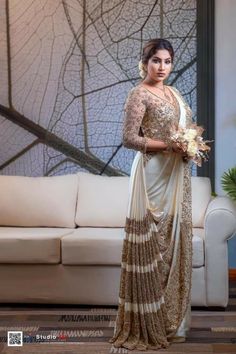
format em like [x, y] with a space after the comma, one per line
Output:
[150, 116]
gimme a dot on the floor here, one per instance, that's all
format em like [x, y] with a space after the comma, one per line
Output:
[80, 329]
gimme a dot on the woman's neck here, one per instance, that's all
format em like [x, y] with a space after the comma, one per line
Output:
[154, 83]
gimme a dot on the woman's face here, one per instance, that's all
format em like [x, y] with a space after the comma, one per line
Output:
[159, 66]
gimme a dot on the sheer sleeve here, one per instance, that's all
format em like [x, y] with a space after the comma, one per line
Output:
[134, 108]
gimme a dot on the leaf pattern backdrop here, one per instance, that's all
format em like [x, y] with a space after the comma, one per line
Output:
[66, 67]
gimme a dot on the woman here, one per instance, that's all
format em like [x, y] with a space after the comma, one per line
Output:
[155, 285]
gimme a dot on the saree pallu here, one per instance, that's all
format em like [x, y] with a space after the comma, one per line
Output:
[156, 268]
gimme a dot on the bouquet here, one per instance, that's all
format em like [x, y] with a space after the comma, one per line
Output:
[195, 147]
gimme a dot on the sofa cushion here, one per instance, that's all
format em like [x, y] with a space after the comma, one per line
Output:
[93, 246]
[201, 196]
[102, 200]
[31, 245]
[38, 201]
[198, 247]
[103, 246]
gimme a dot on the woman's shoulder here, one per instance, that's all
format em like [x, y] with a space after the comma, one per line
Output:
[137, 89]
[136, 93]
[174, 89]
[177, 91]
[184, 100]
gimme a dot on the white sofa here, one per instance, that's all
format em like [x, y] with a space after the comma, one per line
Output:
[61, 240]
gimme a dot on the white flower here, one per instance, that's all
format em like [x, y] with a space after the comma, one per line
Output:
[190, 134]
[192, 148]
[197, 148]
[140, 65]
[142, 72]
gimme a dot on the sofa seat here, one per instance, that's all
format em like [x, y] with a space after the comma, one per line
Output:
[103, 246]
[31, 245]
[93, 245]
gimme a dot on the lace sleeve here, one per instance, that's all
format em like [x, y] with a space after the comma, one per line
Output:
[134, 108]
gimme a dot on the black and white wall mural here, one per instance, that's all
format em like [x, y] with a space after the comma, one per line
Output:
[66, 67]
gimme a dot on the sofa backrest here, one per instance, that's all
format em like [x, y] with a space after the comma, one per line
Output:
[201, 196]
[81, 199]
[102, 200]
[38, 201]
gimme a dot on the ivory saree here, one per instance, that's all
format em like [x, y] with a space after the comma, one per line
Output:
[156, 266]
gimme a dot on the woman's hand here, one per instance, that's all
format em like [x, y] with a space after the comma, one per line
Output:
[180, 148]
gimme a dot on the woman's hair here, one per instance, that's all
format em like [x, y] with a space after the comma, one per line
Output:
[153, 45]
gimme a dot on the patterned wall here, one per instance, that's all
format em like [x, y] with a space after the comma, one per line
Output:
[66, 67]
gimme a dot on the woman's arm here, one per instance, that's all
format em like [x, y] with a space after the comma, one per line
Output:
[156, 145]
[134, 111]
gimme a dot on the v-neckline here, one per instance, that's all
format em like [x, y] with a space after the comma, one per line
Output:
[177, 102]
[157, 95]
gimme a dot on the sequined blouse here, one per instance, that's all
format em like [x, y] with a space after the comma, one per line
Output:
[149, 116]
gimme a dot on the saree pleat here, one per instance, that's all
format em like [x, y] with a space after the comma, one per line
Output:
[156, 264]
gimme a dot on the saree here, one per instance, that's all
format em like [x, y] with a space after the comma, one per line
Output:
[156, 266]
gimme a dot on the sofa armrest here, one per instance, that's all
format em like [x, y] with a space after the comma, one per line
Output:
[220, 225]
[221, 217]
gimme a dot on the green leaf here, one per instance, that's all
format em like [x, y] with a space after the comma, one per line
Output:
[228, 181]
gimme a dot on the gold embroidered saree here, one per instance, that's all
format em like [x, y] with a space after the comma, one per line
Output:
[156, 268]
